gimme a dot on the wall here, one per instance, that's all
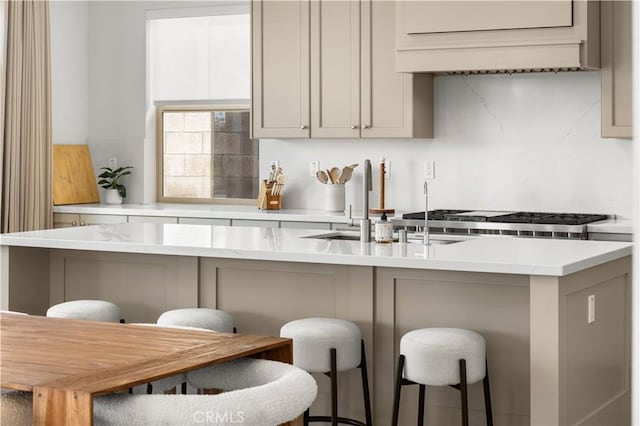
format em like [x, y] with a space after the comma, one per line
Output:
[69, 71]
[121, 122]
[520, 142]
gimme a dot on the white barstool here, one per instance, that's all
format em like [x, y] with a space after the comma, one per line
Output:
[92, 310]
[442, 357]
[328, 345]
[260, 393]
[210, 319]
[201, 318]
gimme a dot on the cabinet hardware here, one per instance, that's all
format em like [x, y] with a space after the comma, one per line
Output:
[303, 127]
[365, 126]
[355, 126]
[73, 224]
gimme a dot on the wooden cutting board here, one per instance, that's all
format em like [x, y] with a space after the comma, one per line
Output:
[74, 181]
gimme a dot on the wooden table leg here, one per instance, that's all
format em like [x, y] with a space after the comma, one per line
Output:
[53, 407]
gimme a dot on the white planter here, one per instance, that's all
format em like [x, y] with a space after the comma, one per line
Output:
[334, 197]
[112, 197]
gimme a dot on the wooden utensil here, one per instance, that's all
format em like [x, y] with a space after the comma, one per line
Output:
[322, 176]
[345, 175]
[333, 174]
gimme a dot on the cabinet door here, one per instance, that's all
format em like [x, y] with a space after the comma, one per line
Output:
[388, 97]
[616, 69]
[335, 69]
[424, 17]
[153, 219]
[101, 219]
[280, 75]
[65, 220]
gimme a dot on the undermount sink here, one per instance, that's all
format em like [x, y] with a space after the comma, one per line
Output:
[355, 236]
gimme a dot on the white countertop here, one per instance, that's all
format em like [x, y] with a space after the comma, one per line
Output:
[211, 211]
[612, 226]
[479, 254]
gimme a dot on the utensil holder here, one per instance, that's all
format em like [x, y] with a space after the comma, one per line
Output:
[334, 197]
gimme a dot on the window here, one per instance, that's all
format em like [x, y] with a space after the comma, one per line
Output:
[199, 71]
[206, 154]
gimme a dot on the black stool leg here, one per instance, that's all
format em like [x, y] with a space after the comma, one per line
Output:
[396, 397]
[149, 389]
[421, 405]
[334, 387]
[365, 385]
[184, 388]
[463, 392]
[305, 418]
[487, 396]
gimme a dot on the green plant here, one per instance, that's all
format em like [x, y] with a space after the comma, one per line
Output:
[109, 179]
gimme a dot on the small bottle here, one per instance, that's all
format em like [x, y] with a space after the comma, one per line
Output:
[384, 230]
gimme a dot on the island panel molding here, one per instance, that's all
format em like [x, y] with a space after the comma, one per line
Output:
[494, 305]
[144, 286]
[263, 296]
[576, 376]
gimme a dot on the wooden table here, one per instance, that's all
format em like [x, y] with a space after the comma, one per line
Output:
[65, 363]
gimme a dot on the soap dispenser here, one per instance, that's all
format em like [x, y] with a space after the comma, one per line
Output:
[384, 230]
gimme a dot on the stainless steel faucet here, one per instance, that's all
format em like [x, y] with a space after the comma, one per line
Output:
[367, 186]
[425, 237]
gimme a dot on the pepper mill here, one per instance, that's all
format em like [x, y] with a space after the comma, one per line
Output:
[382, 209]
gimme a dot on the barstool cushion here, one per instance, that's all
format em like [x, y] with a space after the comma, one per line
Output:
[210, 319]
[92, 310]
[314, 337]
[432, 355]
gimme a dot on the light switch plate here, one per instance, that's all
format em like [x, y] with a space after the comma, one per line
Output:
[314, 167]
[429, 170]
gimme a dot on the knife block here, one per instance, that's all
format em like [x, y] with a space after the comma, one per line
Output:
[266, 201]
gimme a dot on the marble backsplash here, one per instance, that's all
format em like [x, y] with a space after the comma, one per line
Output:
[519, 142]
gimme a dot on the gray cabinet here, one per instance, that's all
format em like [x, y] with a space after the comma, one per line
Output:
[616, 69]
[342, 83]
[451, 36]
[66, 220]
[280, 73]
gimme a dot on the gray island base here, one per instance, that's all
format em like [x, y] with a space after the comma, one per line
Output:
[548, 364]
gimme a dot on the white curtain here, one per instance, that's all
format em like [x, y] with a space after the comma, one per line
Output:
[3, 56]
[26, 145]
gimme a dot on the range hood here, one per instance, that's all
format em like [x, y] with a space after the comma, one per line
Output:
[497, 37]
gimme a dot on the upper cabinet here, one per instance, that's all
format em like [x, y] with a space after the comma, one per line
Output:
[280, 69]
[452, 36]
[616, 69]
[351, 86]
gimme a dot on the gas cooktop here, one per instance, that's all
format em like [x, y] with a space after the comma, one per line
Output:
[524, 224]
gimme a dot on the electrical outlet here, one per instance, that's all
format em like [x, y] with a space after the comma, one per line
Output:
[314, 167]
[591, 308]
[113, 162]
[429, 170]
[387, 169]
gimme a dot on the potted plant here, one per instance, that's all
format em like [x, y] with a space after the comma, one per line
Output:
[110, 180]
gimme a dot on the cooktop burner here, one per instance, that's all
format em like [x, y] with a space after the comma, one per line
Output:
[505, 217]
[570, 219]
[433, 214]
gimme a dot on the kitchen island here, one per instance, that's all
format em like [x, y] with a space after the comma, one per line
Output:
[549, 364]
